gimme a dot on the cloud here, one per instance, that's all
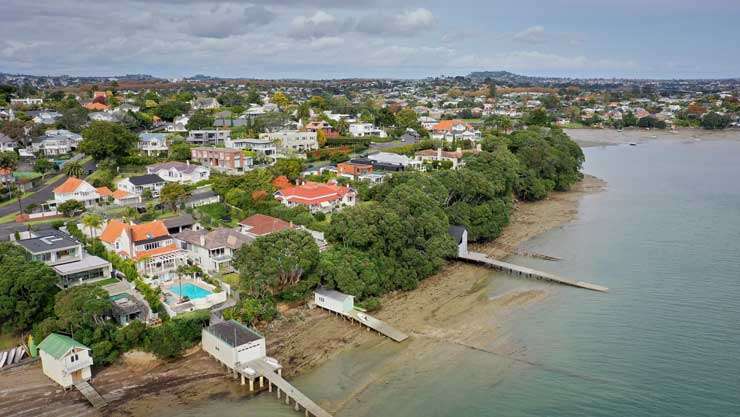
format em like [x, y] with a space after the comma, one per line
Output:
[531, 35]
[222, 21]
[406, 23]
[322, 24]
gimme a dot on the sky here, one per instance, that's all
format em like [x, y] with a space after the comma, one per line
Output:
[322, 39]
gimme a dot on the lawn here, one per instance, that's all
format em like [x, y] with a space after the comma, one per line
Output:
[105, 282]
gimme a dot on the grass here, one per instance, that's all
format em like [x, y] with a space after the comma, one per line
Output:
[232, 279]
[8, 218]
[8, 341]
[105, 282]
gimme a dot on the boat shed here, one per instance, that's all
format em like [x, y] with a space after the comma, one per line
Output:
[233, 343]
[334, 300]
[65, 360]
[460, 236]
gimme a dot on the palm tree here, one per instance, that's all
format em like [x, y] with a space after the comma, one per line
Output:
[91, 221]
[74, 169]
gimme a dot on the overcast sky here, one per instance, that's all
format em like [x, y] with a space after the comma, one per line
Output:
[383, 38]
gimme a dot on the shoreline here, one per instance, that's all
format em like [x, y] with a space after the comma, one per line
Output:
[438, 311]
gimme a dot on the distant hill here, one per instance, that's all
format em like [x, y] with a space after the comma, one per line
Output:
[504, 76]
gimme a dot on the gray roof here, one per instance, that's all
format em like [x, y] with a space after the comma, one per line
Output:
[333, 294]
[48, 240]
[202, 195]
[217, 238]
[126, 304]
[87, 263]
[179, 221]
[180, 166]
[147, 179]
[234, 333]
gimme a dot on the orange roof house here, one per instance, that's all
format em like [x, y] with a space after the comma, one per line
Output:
[139, 241]
[96, 106]
[104, 191]
[69, 186]
[317, 196]
[260, 225]
[447, 125]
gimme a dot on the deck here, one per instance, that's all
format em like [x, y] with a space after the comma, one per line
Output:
[89, 392]
[482, 258]
[378, 325]
[265, 370]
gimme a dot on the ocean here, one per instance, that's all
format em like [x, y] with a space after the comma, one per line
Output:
[664, 236]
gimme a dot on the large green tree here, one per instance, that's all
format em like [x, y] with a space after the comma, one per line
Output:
[200, 120]
[106, 140]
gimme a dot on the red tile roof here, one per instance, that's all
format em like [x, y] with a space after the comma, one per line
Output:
[68, 186]
[281, 182]
[158, 251]
[446, 125]
[313, 193]
[104, 191]
[260, 225]
[113, 230]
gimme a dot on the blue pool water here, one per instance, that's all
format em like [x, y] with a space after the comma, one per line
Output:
[191, 291]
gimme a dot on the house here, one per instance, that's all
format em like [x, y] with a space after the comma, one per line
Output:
[65, 360]
[75, 189]
[179, 223]
[358, 130]
[392, 161]
[181, 172]
[153, 144]
[103, 116]
[201, 197]
[450, 130]
[258, 225]
[321, 126]
[214, 250]
[293, 140]
[179, 124]
[127, 304]
[124, 198]
[233, 343]
[317, 197]
[96, 106]
[427, 122]
[208, 137]
[44, 117]
[460, 236]
[264, 147]
[334, 300]
[150, 245]
[7, 144]
[140, 184]
[439, 155]
[205, 103]
[353, 169]
[56, 142]
[66, 256]
[410, 136]
[28, 101]
[230, 161]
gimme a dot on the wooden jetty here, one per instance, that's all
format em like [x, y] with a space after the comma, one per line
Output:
[484, 259]
[89, 392]
[378, 325]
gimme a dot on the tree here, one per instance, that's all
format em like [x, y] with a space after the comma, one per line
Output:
[27, 289]
[290, 167]
[281, 99]
[81, 306]
[407, 119]
[71, 208]
[350, 271]
[491, 90]
[171, 109]
[106, 140]
[276, 262]
[629, 119]
[91, 221]
[180, 150]
[537, 117]
[253, 97]
[173, 194]
[231, 98]
[714, 120]
[14, 129]
[73, 119]
[74, 169]
[8, 160]
[200, 120]
[42, 166]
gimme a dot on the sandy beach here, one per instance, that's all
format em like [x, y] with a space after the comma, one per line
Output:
[441, 310]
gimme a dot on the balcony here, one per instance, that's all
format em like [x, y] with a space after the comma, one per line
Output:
[77, 365]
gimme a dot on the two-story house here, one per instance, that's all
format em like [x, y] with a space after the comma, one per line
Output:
[150, 245]
[66, 256]
[65, 360]
[140, 184]
[182, 172]
[264, 147]
[214, 250]
[209, 137]
[75, 189]
[293, 140]
[153, 144]
[317, 197]
[358, 130]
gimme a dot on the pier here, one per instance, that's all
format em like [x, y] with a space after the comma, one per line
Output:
[89, 392]
[484, 259]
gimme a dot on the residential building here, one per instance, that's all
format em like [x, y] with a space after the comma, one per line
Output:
[258, 225]
[205, 103]
[181, 172]
[180, 223]
[65, 360]
[438, 155]
[353, 169]
[45, 117]
[150, 245]
[75, 189]
[96, 106]
[208, 137]
[153, 144]
[233, 343]
[359, 130]
[140, 184]
[450, 130]
[201, 197]
[317, 197]
[293, 140]
[56, 142]
[392, 162]
[179, 124]
[26, 101]
[214, 250]
[321, 126]
[334, 300]
[230, 161]
[264, 147]
[66, 256]
[7, 144]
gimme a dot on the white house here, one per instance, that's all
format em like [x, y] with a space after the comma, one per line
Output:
[139, 184]
[179, 124]
[261, 146]
[26, 101]
[65, 360]
[233, 343]
[153, 144]
[56, 142]
[75, 189]
[214, 250]
[182, 172]
[293, 140]
[334, 300]
[359, 130]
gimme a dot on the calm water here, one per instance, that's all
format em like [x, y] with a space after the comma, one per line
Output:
[665, 341]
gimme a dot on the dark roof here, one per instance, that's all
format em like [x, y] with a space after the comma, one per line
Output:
[146, 179]
[126, 304]
[48, 240]
[202, 195]
[179, 221]
[457, 233]
[233, 333]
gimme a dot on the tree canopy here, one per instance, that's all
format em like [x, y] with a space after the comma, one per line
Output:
[106, 140]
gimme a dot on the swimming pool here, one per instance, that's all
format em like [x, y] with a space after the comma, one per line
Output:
[191, 291]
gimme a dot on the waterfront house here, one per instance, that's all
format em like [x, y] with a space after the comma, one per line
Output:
[65, 255]
[182, 172]
[258, 225]
[233, 344]
[317, 197]
[139, 184]
[150, 245]
[65, 360]
[334, 300]
[214, 250]
[229, 161]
